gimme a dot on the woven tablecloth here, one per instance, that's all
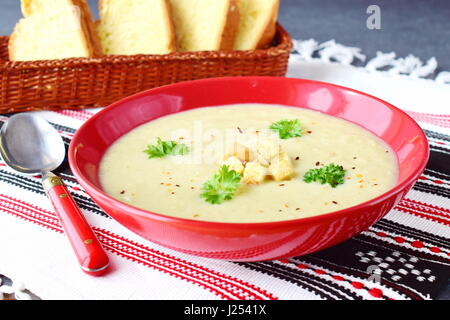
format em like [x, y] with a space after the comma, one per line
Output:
[403, 256]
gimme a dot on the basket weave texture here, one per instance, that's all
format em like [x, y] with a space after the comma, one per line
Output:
[78, 83]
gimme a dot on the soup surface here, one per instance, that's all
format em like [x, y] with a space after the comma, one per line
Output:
[172, 185]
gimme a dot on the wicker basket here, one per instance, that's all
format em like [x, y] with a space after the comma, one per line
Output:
[87, 83]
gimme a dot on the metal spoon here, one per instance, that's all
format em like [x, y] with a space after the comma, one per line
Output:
[31, 146]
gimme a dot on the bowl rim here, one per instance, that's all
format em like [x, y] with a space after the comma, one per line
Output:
[129, 209]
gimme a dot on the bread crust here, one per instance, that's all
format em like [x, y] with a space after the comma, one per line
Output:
[89, 30]
[90, 37]
[231, 26]
[12, 43]
[173, 45]
[270, 30]
[25, 5]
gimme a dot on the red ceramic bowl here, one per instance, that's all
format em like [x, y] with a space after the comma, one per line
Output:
[250, 241]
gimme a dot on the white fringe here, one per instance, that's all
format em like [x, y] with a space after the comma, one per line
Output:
[410, 66]
[342, 54]
[443, 77]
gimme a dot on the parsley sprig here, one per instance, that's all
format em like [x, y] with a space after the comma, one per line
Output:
[221, 186]
[331, 174]
[288, 128]
[165, 148]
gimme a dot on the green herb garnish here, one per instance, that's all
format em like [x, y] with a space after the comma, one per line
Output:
[331, 174]
[165, 148]
[221, 186]
[288, 128]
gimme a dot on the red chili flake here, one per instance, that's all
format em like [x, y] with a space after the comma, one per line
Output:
[335, 202]
[177, 185]
[297, 158]
[309, 131]
[297, 209]
[282, 185]
[122, 192]
[353, 168]
[318, 163]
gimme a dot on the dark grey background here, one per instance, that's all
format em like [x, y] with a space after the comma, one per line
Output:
[419, 27]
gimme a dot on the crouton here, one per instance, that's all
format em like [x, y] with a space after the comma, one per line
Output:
[235, 164]
[254, 173]
[266, 150]
[239, 151]
[281, 167]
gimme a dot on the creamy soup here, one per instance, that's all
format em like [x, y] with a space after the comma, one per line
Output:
[172, 185]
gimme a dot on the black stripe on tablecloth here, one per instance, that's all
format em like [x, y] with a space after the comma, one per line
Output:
[440, 148]
[348, 270]
[404, 248]
[346, 259]
[438, 175]
[394, 227]
[321, 287]
[66, 141]
[432, 189]
[33, 185]
[437, 135]
[439, 161]
[340, 268]
[63, 128]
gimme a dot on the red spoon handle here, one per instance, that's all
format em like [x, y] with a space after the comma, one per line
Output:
[91, 256]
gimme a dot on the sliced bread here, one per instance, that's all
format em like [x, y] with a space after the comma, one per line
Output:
[54, 29]
[203, 25]
[129, 27]
[257, 25]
